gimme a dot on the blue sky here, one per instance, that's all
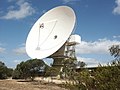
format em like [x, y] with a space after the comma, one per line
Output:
[98, 23]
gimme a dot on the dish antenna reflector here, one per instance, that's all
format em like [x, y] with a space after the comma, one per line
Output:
[50, 32]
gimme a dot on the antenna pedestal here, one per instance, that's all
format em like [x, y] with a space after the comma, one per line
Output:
[67, 51]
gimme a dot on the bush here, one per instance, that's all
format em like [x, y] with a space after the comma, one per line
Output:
[107, 77]
[101, 78]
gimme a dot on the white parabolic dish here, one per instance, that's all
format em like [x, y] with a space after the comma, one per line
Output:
[50, 32]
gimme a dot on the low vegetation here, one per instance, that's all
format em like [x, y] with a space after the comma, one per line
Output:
[99, 78]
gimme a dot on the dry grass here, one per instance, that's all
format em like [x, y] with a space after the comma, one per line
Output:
[27, 85]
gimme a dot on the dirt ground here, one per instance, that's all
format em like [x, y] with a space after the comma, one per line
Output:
[27, 85]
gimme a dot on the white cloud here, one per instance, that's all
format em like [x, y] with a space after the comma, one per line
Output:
[20, 50]
[25, 9]
[116, 10]
[68, 1]
[10, 0]
[11, 8]
[87, 60]
[116, 36]
[100, 46]
[16, 61]
[91, 62]
[2, 50]
[44, 11]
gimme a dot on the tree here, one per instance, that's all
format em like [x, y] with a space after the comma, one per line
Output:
[4, 71]
[20, 71]
[115, 51]
[29, 69]
[9, 72]
[80, 64]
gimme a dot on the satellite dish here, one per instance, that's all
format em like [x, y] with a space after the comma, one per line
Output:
[50, 32]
